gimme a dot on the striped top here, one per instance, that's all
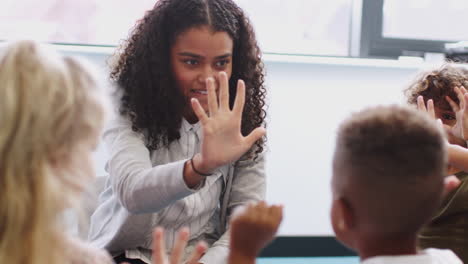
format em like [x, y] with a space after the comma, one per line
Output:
[145, 190]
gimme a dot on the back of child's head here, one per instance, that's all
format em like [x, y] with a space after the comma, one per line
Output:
[388, 167]
[143, 70]
[51, 111]
[436, 84]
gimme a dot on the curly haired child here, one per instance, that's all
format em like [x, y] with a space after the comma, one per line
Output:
[442, 90]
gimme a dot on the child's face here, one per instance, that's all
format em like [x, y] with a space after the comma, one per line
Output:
[197, 54]
[447, 116]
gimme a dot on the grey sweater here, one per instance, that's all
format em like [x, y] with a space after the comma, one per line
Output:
[145, 190]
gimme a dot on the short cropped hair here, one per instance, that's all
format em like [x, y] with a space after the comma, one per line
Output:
[389, 163]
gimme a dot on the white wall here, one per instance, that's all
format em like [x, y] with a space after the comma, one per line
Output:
[308, 99]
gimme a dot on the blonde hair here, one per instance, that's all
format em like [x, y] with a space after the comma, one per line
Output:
[49, 105]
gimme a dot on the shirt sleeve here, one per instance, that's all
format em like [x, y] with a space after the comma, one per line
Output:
[140, 187]
[249, 182]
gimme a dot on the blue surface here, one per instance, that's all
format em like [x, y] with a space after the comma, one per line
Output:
[318, 260]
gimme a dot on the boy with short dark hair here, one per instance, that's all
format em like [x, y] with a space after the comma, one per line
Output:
[388, 180]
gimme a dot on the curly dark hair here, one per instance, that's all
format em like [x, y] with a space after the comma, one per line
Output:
[438, 83]
[143, 73]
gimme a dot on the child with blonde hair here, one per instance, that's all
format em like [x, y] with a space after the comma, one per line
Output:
[52, 110]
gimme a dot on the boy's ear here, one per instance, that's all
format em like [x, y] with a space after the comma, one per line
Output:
[450, 183]
[343, 222]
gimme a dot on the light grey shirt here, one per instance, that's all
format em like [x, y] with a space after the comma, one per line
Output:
[145, 190]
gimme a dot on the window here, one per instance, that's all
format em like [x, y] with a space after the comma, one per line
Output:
[425, 19]
[301, 27]
[380, 28]
[391, 28]
[88, 22]
[290, 27]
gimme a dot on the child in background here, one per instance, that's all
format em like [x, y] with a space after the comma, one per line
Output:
[445, 87]
[388, 180]
[51, 115]
[442, 90]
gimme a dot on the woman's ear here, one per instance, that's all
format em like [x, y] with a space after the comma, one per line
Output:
[343, 222]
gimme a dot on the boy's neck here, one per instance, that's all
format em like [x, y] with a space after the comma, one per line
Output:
[387, 247]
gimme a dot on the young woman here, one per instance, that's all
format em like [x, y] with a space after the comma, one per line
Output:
[187, 144]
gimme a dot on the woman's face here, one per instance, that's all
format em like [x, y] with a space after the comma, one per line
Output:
[198, 54]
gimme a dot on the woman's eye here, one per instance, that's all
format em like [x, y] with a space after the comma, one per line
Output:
[191, 62]
[222, 63]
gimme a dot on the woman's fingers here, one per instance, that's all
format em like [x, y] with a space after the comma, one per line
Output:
[223, 91]
[179, 246]
[255, 135]
[212, 98]
[199, 111]
[240, 98]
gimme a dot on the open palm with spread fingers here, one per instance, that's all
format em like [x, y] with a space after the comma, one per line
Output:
[223, 141]
[176, 257]
[429, 109]
[460, 129]
[449, 131]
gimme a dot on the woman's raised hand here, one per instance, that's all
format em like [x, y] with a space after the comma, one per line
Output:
[223, 141]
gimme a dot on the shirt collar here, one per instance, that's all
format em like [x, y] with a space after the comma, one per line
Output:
[187, 127]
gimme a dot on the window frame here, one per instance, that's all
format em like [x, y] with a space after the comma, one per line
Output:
[374, 45]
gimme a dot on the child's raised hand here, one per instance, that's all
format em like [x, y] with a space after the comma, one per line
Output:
[430, 106]
[252, 229]
[223, 141]
[460, 129]
[159, 248]
[429, 109]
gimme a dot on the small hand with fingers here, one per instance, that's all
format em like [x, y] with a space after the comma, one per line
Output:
[253, 227]
[223, 141]
[449, 131]
[460, 129]
[159, 248]
[429, 109]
